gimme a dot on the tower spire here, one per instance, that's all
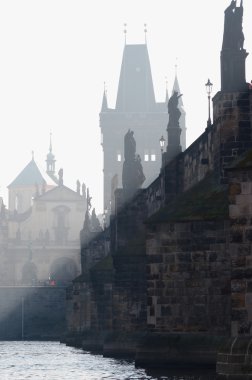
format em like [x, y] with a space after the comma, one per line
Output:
[145, 33]
[50, 160]
[50, 146]
[176, 85]
[166, 91]
[104, 99]
[125, 33]
[176, 66]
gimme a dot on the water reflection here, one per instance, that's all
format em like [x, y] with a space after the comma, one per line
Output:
[55, 361]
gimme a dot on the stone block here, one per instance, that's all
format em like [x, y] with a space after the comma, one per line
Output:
[236, 235]
[248, 300]
[239, 315]
[246, 187]
[238, 300]
[248, 273]
[244, 199]
[238, 274]
[239, 261]
[234, 211]
[238, 286]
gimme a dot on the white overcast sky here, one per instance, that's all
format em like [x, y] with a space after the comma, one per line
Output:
[56, 55]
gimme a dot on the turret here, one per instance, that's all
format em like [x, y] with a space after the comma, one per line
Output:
[50, 161]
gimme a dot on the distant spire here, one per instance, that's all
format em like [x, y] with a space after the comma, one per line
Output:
[50, 160]
[104, 99]
[166, 91]
[176, 66]
[32, 155]
[145, 33]
[176, 86]
[50, 146]
[125, 32]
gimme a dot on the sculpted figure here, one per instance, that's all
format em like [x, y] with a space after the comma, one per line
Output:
[173, 110]
[60, 173]
[83, 189]
[132, 175]
[140, 177]
[78, 186]
[129, 145]
[89, 205]
[233, 33]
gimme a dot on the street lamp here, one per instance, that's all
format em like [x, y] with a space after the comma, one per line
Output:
[209, 87]
[104, 217]
[162, 143]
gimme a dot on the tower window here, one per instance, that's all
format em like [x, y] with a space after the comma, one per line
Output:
[146, 157]
[153, 157]
[119, 157]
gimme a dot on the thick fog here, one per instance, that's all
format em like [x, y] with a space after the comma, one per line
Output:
[57, 54]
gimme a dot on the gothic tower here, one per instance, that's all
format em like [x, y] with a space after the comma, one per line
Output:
[136, 109]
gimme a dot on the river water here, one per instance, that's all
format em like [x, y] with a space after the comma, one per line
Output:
[55, 361]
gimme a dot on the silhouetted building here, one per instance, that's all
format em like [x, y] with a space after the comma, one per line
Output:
[136, 109]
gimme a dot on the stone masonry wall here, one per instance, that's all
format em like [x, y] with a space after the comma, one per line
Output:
[129, 260]
[240, 209]
[188, 277]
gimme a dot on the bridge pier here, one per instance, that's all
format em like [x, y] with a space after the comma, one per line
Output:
[234, 360]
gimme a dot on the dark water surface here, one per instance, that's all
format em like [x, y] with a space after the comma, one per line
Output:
[55, 361]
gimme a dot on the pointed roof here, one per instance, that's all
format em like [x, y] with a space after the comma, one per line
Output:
[176, 88]
[31, 175]
[62, 193]
[104, 102]
[135, 89]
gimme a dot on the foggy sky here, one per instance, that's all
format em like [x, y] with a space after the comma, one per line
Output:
[56, 54]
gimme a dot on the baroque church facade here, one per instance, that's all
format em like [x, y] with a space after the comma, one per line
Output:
[39, 242]
[137, 110]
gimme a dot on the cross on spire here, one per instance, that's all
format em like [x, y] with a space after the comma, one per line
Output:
[125, 32]
[166, 90]
[176, 66]
[50, 146]
[145, 33]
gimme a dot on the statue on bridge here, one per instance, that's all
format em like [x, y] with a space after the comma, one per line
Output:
[233, 37]
[173, 110]
[132, 175]
[233, 54]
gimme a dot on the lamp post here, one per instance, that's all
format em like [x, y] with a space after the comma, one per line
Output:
[162, 143]
[209, 87]
[104, 215]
